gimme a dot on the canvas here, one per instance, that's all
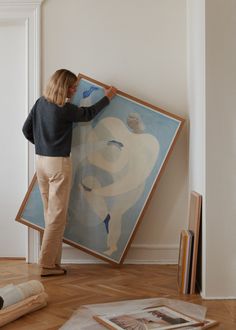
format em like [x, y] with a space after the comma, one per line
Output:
[118, 159]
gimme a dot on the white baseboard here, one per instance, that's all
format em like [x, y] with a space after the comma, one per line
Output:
[138, 254]
[216, 297]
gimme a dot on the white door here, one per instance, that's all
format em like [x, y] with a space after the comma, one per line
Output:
[13, 146]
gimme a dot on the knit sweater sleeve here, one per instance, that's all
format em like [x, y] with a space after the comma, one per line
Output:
[28, 127]
[84, 114]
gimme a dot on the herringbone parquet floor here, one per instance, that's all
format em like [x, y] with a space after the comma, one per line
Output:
[101, 283]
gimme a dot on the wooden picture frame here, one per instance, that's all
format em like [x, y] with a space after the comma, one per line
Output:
[182, 261]
[118, 159]
[205, 324]
[208, 323]
[194, 219]
[185, 261]
[160, 317]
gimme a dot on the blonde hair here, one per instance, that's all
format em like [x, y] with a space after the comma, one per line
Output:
[57, 88]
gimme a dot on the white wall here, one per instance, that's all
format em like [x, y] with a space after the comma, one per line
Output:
[212, 85]
[197, 108]
[220, 148]
[140, 47]
[196, 92]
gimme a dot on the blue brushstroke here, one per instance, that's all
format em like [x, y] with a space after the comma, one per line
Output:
[116, 143]
[106, 222]
[89, 91]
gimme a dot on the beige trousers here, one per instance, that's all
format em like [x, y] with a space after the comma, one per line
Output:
[54, 179]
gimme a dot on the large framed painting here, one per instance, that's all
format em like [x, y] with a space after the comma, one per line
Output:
[118, 159]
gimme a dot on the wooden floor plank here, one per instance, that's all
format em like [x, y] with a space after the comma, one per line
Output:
[102, 283]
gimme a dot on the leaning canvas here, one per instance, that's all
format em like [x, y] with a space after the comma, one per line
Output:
[118, 159]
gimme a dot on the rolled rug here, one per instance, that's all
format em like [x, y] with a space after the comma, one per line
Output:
[12, 294]
[31, 288]
[1, 302]
[23, 307]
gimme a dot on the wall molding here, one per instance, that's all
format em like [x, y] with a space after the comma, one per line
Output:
[28, 13]
[138, 254]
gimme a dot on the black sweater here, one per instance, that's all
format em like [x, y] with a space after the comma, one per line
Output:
[49, 126]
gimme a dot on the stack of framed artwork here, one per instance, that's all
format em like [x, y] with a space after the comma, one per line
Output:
[188, 250]
[118, 159]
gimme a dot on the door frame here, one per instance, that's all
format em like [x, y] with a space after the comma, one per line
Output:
[28, 13]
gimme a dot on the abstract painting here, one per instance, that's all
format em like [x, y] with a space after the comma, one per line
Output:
[117, 158]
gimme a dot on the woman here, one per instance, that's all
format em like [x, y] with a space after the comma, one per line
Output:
[49, 127]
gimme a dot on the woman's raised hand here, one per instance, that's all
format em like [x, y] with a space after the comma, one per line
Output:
[110, 92]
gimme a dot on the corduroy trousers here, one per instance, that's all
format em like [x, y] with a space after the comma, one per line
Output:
[54, 180]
